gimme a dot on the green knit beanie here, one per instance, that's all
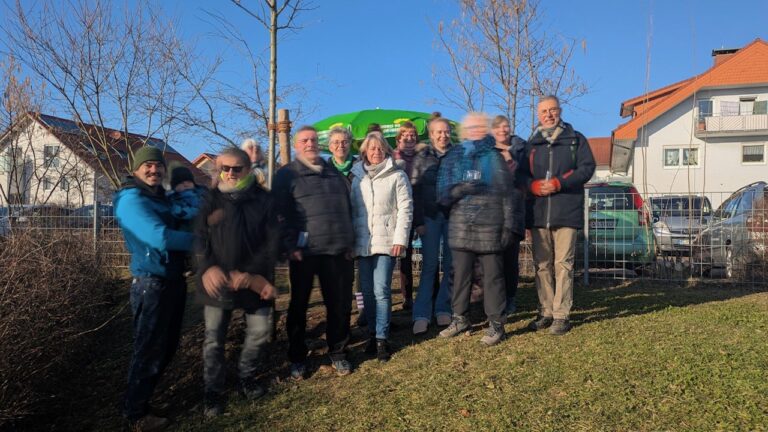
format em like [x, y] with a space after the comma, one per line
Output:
[146, 154]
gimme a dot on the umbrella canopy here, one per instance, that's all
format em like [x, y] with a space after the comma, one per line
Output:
[357, 122]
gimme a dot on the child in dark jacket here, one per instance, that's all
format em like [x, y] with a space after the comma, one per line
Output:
[185, 196]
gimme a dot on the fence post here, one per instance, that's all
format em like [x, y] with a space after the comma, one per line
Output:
[95, 214]
[586, 237]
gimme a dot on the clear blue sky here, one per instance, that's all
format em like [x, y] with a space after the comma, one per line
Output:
[358, 54]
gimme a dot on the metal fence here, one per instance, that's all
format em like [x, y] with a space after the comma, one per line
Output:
[626, 235]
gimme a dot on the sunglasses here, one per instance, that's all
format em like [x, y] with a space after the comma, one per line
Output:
[234, 169]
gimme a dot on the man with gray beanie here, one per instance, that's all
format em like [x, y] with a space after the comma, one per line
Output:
[158, 291]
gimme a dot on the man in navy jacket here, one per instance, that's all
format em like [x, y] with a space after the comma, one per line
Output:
[561, 162]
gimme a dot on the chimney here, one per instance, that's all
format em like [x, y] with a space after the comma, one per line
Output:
[723, 54]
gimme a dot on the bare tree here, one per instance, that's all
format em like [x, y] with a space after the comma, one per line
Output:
[112, 68]
[501, 59]
[228, 113]
[269, 14]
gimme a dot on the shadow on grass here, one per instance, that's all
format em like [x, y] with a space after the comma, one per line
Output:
[95, 402]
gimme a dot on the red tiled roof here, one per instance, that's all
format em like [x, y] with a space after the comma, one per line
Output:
[748, 66]
[202, 157]
[72, 134]
[601, 150]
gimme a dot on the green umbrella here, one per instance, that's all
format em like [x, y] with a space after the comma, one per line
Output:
[357, 122]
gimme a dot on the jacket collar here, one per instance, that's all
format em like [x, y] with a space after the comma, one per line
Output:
[389, 166]
[538, 139]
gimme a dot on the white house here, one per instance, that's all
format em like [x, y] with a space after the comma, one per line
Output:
[706, 134]
[50, 160]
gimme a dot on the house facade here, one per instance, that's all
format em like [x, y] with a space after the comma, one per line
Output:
[601, 151]
[48, 160]
[707, 134]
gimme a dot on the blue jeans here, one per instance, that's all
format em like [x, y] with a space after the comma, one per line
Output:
[376, 285]
[158, 309]
[258, 327]
[437, 230]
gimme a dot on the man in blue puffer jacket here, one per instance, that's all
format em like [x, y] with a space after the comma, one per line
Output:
[158, 292]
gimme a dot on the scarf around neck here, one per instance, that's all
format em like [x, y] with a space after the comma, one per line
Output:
[344, 168]
[551, 134]
[314, 167]
[241, 185]
[374, 170]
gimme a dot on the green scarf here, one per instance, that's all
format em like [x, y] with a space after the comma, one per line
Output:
[241, 185]
[344, 168]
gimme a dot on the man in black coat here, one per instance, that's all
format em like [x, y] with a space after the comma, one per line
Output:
[561, 162]
[238, 247]
[316, 221]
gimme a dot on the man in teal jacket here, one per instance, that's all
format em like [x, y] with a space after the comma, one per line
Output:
[158, 292]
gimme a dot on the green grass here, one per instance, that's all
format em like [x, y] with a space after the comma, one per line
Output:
[643, 356]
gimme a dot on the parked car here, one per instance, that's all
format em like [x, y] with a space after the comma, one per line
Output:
[677, 220]
[39, 216]
[83, 217]
[619, 226]
[735, 239]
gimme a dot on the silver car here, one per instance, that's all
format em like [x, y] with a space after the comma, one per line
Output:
[677, 220]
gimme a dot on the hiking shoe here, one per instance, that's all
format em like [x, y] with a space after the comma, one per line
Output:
[370, 347]
[159, 409]
[251, 390]
[342, 366]
[382, 350]
[443, 320]
[540, 323]
[560, 327]
[493, 334]
[213, 405]
[150, 423]
[458, 325]
[420, 326]
[298, 370]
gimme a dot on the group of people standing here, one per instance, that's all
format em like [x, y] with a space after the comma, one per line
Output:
[468, 202]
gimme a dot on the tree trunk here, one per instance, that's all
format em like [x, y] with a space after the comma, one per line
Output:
[284, 136]
[272, 91]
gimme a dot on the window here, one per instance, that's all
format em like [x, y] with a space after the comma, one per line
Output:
[705, 109]
[47, 184]
[753, 153]
[691, 157]
[64, 184]
[677, 157]
[51, 156]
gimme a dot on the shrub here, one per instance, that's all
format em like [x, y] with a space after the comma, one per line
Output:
[54, 296]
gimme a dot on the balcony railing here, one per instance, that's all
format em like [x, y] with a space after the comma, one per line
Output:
[732, 125]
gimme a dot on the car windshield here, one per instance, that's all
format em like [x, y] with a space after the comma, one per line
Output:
[678, 206]
[611, 198]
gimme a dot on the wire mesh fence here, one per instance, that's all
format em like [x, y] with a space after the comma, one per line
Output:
[720, 236]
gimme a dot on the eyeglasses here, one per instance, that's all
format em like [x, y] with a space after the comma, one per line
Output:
[550, 111]
[340, 142]
[235, 169]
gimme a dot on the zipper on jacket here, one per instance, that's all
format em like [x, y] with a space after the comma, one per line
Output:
[549, 197]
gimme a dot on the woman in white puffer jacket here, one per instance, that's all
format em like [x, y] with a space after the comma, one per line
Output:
[382, 210]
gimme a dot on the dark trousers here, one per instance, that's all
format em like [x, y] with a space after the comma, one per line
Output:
[406, 270]
[158, 308]
[335, 273]
[494, 295]
[512, 265]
